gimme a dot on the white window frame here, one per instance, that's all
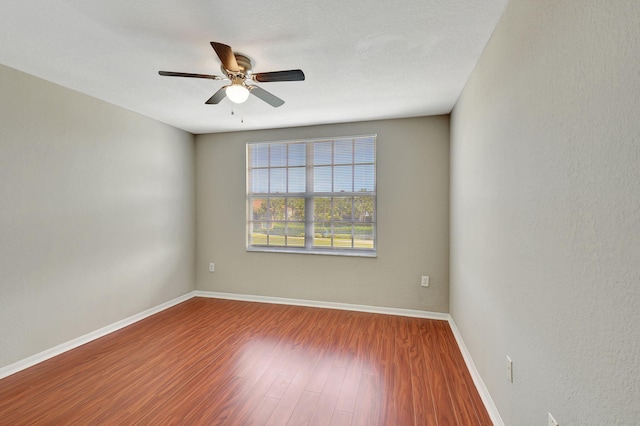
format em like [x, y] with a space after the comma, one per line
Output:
[309, 195]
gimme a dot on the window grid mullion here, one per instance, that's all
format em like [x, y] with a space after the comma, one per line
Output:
[333, 167]
[353, 223]
[268, 219]
[308, 198]
[285, 229]
[286, 218]
[332, 219]
[353, 167]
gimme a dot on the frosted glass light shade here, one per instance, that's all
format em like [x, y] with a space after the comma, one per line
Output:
[237, 93]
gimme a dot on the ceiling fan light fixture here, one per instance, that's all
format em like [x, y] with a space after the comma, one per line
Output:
[238, 68]
[237, 93]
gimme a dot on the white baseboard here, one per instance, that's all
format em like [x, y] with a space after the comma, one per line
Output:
[328, 305]
[475, 375]
[57, 350]
[71, 344]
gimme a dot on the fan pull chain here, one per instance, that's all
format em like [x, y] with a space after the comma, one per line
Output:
[241, 115]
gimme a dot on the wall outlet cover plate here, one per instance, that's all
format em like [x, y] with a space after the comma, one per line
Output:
[425, 281]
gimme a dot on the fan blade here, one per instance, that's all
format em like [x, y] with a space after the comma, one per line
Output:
[269, 98]
[226, 56]
[187, 74]
[290, 75]
[218, 96]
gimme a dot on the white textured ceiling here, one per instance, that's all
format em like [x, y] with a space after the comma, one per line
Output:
[363, 59]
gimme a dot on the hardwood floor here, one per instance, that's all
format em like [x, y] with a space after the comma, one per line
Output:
[221, 362]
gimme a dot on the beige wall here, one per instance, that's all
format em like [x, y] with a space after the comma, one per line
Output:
[413, 209]
[96, 214]
[545, 212]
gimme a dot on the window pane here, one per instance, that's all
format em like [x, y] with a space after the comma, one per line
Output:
[259, 155]
[363, 237]
[343, 179]
[276, 208]
[259, 181]
[259, 209]
[322, 153]
[343, 152]
[278, 155]
[322, 235]
[276, 234]
[295, 234]
[297, 154]
[364, 150]
[278, 181]
[342, 235]
[342, 208]
[295, 209]
[364, 178]
[321, 209]
[297, 179]
[363, 209]
[258, 233]
[322, 179]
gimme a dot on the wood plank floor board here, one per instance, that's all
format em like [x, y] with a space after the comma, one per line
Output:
[423, 406]
[341, 418]
[442, 402]
[328, 399]
[255, 395]
[354, 368]
[304, 409]
[367, 409]
[369, 351]
[402, 386]
[389, 411]
[210, 361]
[460, 366]
[320, 375]
[466, 398]
[291, 399]
[263, 411]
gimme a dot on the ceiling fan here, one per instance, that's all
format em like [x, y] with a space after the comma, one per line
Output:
[238, 69]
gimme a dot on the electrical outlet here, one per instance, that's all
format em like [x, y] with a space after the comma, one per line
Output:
[425, 281]
[212, 267]
[552, 421]
[509, 370]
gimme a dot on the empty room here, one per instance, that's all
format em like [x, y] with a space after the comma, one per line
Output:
[322, 213]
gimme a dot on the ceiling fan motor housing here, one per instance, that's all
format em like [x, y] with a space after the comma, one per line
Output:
[245, 65]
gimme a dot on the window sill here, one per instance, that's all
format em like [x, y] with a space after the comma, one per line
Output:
[329, 252]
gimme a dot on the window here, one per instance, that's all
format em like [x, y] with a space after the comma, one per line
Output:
[312, 196]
